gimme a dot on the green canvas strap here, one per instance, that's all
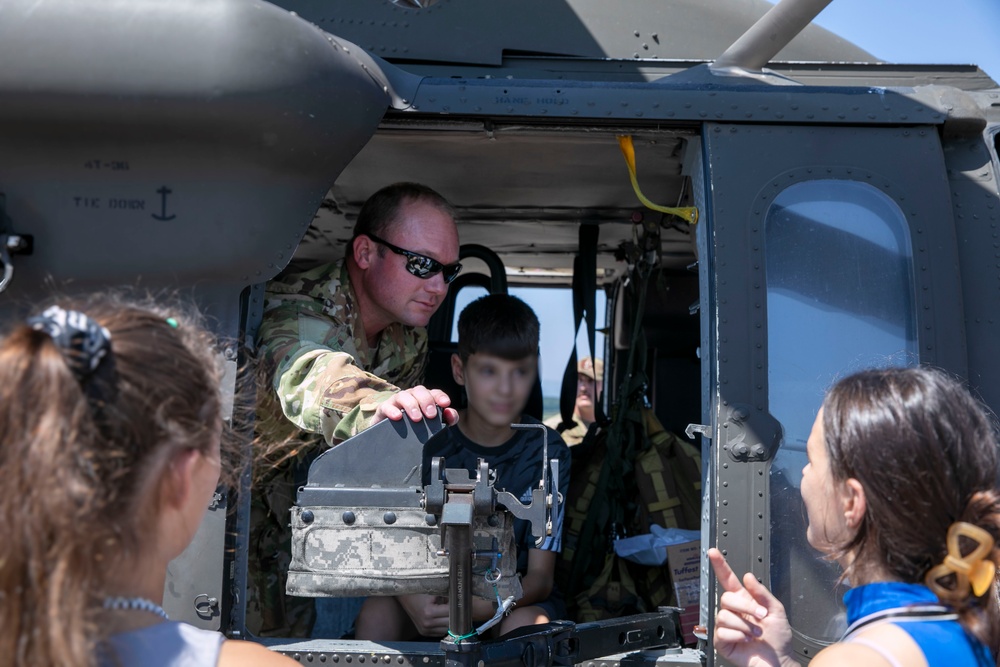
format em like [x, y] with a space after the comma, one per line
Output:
[625, 436]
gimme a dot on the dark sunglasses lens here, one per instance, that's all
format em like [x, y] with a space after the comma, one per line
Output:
[426, 268]
[451, 272]
[422, 267]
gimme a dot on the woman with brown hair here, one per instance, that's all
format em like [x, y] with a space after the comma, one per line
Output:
[901, 491]
[110, 430]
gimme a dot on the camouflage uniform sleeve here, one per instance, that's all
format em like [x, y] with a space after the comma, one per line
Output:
[360, 417]
[320, 389]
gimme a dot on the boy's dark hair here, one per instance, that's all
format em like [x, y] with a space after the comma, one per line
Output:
[498, 324]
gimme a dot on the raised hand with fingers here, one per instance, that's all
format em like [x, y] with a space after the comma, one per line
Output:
[750, 627]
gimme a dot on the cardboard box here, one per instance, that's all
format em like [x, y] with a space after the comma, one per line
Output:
[684, 561]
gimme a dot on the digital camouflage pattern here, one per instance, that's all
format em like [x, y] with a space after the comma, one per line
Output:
[321, 384]
[314, 350]
[368, 556]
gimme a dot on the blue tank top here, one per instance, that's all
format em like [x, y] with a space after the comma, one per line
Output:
[166, 644]
[943, 642]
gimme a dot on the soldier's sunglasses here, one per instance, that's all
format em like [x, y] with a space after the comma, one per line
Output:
[422, 266]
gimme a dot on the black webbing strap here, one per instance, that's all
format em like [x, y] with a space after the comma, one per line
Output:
[606, 517]
[584, 305]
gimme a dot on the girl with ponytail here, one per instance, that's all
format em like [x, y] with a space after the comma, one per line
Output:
[901, 491]
[111, 446]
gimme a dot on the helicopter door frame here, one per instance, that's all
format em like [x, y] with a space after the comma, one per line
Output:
[747, 167]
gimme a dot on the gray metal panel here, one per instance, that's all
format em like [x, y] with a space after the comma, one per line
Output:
[594, 644]
[964, 77]
[194, 587]
[697, 168]
[748, 166]
[327, 496]
[194, 146]
[692, 96]
[481, 31]
[389, 454]
[972, 175]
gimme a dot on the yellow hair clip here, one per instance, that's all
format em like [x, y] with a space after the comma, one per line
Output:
[972, 570]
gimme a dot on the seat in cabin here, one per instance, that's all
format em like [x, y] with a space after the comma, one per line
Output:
[440, 346]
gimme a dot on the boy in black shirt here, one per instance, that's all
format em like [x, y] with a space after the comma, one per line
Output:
[497, 363]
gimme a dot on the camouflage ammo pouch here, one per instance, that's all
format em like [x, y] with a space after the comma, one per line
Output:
[359, 526]
[389, 551]
[668, 478]
[668, 482]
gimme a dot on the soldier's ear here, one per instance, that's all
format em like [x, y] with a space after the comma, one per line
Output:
[458, 370]
[362, 250]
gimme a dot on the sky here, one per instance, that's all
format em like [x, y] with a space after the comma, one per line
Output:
[921, 31]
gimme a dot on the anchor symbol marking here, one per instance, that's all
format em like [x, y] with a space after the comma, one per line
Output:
[163, 192]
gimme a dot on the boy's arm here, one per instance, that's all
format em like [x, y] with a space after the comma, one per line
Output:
[536, 584]
[537, 581]
[482, 610]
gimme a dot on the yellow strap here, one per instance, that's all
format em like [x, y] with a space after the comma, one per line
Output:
[689, 213]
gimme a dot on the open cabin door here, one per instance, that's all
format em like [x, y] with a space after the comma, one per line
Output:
[832, 249]
[181, 146]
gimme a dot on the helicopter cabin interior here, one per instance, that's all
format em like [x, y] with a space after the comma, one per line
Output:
[522, 192]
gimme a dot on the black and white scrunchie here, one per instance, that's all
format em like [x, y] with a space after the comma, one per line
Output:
[83, 341]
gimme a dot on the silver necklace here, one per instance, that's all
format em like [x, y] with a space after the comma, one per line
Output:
[137, 603]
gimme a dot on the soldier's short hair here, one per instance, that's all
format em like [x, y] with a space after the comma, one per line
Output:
[378, 214]
[498, 324]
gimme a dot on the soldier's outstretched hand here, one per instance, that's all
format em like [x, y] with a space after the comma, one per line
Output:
[417, 403]
[751, 628]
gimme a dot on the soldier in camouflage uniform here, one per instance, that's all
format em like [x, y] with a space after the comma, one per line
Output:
[589, 384]
[342, 346]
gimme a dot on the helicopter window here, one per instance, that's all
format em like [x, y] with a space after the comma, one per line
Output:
[839, 298]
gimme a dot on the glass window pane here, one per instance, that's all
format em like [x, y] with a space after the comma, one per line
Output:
[839, 299]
